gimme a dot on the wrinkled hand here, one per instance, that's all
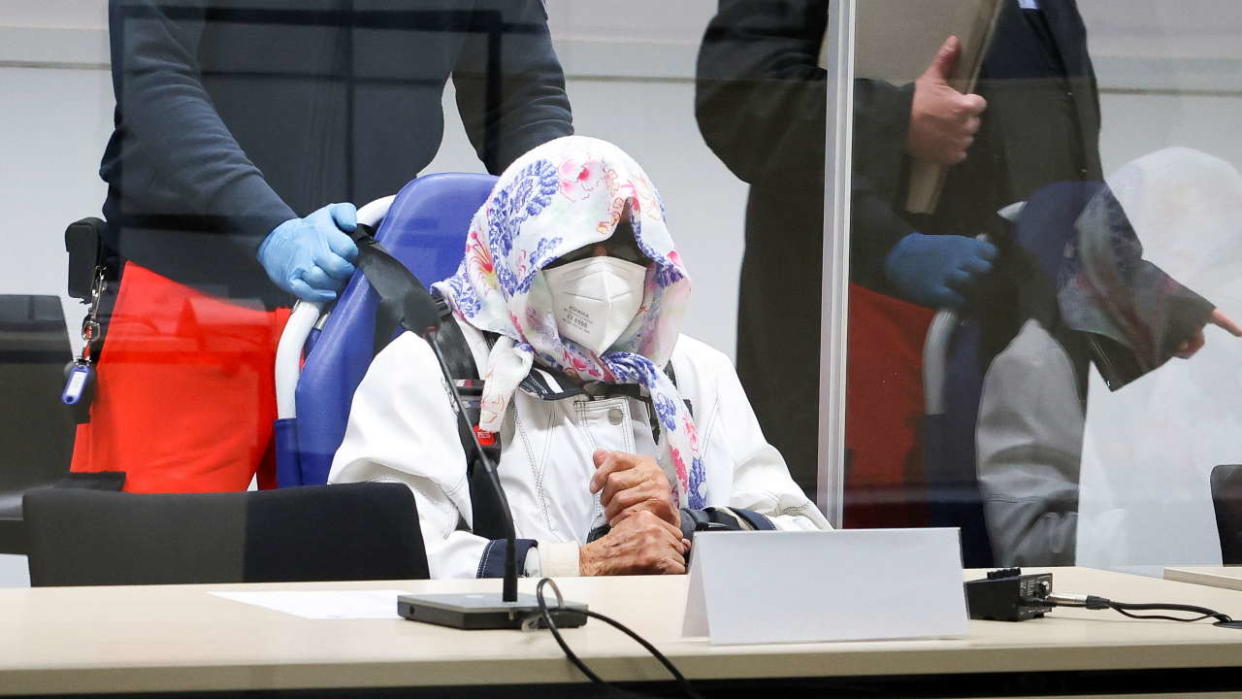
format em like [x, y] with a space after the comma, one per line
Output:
[628, 484]
[1192, 346]
[938, 271]
[312, 257]
[640, 544]
[943, 121]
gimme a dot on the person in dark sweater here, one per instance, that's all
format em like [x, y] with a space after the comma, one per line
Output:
[237, 124]
[761, 106]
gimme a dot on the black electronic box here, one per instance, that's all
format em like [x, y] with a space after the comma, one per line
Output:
[1008, 595]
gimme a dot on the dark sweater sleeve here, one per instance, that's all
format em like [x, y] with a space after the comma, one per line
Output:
[167, 122]
[761, 105]
[761, 96]
[510, 85]
[880, 171]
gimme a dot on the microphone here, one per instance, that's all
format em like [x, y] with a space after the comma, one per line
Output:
[509, 594]
[405, 296]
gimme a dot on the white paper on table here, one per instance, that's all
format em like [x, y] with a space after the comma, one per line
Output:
[846, 585]
[323, 604]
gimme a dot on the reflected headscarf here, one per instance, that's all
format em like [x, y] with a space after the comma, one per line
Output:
[562, 196]
[1140, 314]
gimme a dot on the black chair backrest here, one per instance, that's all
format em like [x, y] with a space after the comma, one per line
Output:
[35, 428]
[364, 531]
[1227, 499]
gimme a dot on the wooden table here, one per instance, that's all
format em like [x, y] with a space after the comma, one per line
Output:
[166, 639]
[1229, 578]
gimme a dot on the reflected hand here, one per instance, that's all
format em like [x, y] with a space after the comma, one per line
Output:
[938, 271]
[641, 544]
[1192, 346]
[943, 121]
[628, 484]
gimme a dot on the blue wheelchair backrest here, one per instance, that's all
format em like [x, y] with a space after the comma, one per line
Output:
[425, 229]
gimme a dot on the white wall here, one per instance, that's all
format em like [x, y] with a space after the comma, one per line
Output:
[55, 122]
[1171, 75]
[57, 102]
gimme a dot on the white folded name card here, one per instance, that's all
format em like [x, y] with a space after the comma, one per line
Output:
[847, 585]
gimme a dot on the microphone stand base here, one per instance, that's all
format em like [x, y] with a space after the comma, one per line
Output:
[482, 611]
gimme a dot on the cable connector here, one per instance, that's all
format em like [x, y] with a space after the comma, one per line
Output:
[1094, 602]
[1085, 601]
[1063, 600]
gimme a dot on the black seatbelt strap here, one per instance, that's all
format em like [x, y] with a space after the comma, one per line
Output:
[396, 287]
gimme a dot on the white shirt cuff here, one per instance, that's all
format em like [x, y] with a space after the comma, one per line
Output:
[557, 560]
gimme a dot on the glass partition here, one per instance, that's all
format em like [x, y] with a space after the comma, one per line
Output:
[1042, 283]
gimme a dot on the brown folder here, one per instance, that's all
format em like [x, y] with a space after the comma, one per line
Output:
[896, 41]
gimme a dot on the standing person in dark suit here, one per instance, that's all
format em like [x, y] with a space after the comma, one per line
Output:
[761, 106]
[237, 123]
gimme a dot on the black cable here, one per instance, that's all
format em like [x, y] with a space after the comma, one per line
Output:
[546, 615]
[548, 621]
[1126, 609]
[1204, 612]
[1160, 617]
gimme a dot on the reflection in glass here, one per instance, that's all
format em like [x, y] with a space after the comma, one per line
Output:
[761, 106]
[1074, 396]
[1088, 296]
[1040, 126]
[1150, 448]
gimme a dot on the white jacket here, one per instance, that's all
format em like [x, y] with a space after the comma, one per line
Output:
[402, 429]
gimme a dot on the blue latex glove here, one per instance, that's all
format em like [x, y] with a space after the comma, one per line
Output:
[312, 258]
[938, 270]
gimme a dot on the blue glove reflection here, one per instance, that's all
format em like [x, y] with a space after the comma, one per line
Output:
[312, 257]
[938, 270]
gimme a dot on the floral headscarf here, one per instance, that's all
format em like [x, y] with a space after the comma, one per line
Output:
[560, 197]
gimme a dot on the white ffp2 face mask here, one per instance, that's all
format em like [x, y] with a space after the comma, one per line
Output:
[595, 299]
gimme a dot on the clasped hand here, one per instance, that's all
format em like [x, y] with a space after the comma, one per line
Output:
[645, 535]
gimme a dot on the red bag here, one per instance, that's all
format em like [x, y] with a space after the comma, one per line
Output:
[884, 483]
[185, 398]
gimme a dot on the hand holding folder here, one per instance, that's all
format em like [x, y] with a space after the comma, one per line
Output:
[943, 121]
[895, 41]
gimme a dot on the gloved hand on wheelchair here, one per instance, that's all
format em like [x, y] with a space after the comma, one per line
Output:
[939, 271]
[312, 258]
